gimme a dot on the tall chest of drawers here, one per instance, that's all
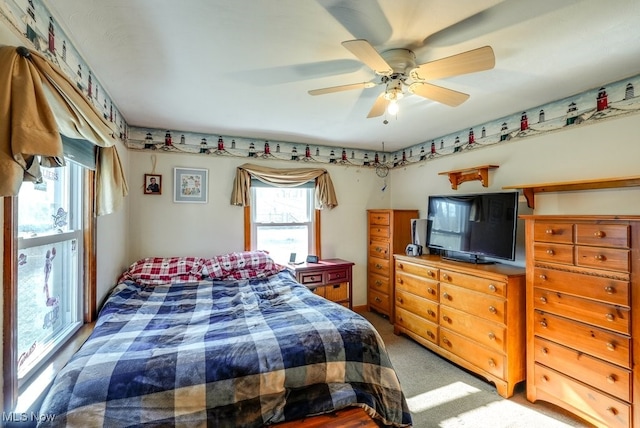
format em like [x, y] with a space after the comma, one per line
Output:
[470, 314]
[582, 335]
[388, 232]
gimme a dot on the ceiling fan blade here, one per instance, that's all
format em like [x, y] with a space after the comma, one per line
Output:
[378, 107]
[341, 88]
[466, 62]
[366, 53]
[438, 93]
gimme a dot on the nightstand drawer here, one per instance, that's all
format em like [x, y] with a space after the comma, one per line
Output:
[310, 278]
[336, 292]
[336, 275]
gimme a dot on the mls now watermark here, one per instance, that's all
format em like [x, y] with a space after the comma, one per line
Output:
[27, 417]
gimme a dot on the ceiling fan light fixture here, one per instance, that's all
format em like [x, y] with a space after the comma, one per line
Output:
[393, 108]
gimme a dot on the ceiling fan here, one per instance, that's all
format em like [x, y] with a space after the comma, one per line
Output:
[400, 74]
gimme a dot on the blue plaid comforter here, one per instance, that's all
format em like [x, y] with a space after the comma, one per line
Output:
[226, 354]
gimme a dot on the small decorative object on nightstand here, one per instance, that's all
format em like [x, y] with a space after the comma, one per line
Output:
[329, 278]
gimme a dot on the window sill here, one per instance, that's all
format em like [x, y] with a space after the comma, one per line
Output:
[32, 396]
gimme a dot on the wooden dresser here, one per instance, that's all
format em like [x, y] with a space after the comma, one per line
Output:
[388, 232]
[582, 338]
[470, 314]
[329, 278]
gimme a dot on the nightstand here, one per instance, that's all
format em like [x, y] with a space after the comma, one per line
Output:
[329, 278]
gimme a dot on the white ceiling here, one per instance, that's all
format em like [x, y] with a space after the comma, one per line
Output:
[243, 67]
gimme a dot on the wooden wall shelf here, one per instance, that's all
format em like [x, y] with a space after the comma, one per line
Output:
[530, 190]
[458, 176]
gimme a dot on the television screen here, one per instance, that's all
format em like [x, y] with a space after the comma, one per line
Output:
[474, 226]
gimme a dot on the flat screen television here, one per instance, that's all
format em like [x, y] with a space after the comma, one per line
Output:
[473, 226]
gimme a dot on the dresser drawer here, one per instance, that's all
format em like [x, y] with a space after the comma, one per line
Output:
[603, 235]
[603, 315]
[600, 343]
[490, 334]
[607, 377]
[380, 218]
[416, 269]
[556, 253]
[379, 249]
[592, 287]
[413, 284]
[379, 266]
[479, 304]
[553, 232]
[471, 282]
[603, 258]
[310, 278]
[338, 275]
[486, 359]
[612, 412]
[417, 325]
[379, 301]
[380, 232]
[379, 283]
[425, 308]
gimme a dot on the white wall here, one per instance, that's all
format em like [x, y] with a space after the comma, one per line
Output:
[602, 150]
[160, 227]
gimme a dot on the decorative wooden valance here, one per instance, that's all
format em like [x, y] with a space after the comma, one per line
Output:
[456, 177]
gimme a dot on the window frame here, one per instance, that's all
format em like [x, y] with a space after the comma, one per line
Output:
[10, 291]
[248, 227]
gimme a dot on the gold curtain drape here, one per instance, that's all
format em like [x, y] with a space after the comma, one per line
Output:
[325, 193]
[37, 104]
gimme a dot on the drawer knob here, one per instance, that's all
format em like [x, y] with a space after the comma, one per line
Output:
[430, 334]
[612, 410]
[377, 299]
[446, 318]
[600, 257]
[545, 351]
[431, 290]
[399, 299]
[378, 266]
[446, 277]
[446, 296]
[446, 341]
[545, 378]
[610, 317]
[491, 362]
[400, 266]
[599, 234]
[492, 310]
[313, 278]
[378, 282]
[493, 288]
[609, 290]
[611, 346]
[543, 324]
[431, 313]
[611, 378]
[379, 249]
[400, 281]
[430, 273]
[543, 277]
[492, 336]
[550, 252]
[549, 232]
[543, 299]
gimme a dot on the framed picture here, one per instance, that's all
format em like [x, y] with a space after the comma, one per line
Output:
[190, 185]
[153, 184]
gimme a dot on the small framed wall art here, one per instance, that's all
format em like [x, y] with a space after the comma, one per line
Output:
[152, 184]
[190, 185]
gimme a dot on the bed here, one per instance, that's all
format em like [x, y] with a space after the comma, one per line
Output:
[231, 341]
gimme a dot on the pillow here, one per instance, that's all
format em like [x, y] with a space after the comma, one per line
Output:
[242, 265]
[163, 270]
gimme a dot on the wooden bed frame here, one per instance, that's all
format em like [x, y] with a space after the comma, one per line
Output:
[351, 417]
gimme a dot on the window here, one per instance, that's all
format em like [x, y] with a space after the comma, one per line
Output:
[283, 220]
[48, 280]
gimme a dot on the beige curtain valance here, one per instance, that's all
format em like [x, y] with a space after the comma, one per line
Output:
[325, 194]
[37, 104]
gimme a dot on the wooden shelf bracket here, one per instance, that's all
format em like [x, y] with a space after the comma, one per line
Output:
[459, 176]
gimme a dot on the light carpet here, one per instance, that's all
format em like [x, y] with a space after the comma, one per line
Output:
[441, 394]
